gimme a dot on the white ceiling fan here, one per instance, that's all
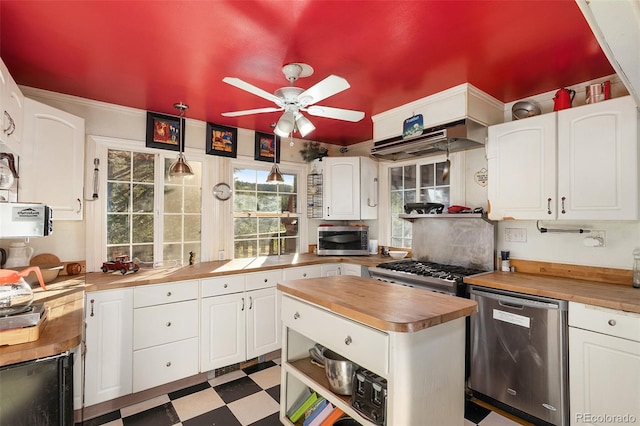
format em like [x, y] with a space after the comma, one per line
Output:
[293, 100]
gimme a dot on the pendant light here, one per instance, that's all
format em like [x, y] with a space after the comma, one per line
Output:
[180, 167]
[275, 175]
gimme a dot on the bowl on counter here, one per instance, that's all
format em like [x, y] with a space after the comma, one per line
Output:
[398, 254]
[340, 372]
[49, 273]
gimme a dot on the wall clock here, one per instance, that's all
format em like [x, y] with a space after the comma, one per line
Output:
[222, 191]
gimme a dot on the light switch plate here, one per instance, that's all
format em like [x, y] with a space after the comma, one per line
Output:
[515, 235]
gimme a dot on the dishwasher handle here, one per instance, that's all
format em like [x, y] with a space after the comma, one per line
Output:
[519, 301]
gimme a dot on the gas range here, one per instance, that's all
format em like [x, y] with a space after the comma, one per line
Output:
[447, 279]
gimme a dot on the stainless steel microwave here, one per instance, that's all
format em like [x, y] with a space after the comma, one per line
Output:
[23, 220]
[343, 240]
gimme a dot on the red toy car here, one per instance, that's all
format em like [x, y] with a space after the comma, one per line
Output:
[122, 264]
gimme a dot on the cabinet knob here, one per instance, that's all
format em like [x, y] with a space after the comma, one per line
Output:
[348, 340]
[168, 323]
[296, 315]
[304, 275]
[168, 364]
[226, 285]
[168, 294]
[611, 322]
[265, 280]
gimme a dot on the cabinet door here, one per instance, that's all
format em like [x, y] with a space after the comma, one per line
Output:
[331, 270]
[604, 378]
[300, 272]
[222, 331]
[351, 269]
[598, 161]
[52, 164]
[12, 110]
[108, 358]
[342, 188]
[263, 322]
[522, 169]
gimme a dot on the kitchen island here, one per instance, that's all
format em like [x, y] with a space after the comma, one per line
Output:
[413, 339]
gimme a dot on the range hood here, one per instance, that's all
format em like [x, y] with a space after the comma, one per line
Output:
[458, 135]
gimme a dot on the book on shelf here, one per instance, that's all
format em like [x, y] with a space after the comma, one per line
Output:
[323, 413]
[332, 417]
[314, 411]
[302, 408]
[319, 402]
[306, 393]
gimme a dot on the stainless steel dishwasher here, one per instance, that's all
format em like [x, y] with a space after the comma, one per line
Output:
[519, 354]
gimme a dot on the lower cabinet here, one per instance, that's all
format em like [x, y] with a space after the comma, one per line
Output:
[300, 272]
[604, 365]
[109, 338]
[165, 333]
[351, 269]
[240, 318]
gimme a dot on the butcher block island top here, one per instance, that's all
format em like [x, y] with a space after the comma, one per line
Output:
[388, 307]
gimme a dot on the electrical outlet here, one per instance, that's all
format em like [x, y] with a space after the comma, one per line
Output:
[515, 235]
[221, 255]
[598, 235]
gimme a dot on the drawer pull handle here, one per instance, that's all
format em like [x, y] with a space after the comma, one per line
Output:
[92, 301]
[168, 364]
[563, 209]
[612, 322]
[548, 205]
[226, 285]
[348, 340]
[250, 302]
[296, 315]
[168, 294]
[242, 309]
[169, 324]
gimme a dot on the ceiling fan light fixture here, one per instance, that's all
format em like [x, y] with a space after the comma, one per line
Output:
[304, 125]
[180, 167]
[286, 123]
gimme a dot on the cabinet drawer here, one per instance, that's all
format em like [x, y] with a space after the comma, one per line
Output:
[165, 363]
[262, 279]
[222, 285]
[155, 325]
[606, 321]
[359, 343]
[149, 295]
[301, 272]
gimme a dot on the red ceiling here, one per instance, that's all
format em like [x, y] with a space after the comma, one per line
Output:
[151, 54]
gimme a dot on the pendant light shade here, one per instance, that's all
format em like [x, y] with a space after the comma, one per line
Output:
[180, 167]
[274, 174]
[286, 123]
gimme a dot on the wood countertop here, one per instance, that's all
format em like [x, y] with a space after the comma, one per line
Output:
[97, 281]
[381, 305]
[614, 296]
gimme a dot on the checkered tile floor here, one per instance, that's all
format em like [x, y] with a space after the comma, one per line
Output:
[241, 398]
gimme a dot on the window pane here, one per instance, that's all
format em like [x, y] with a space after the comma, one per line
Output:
[142, 228]
[142, 198]
[395, 178]
[192, 228]
[172, 228]
[118, 197]
[245, 248]
[245, 227]
[268, 203]
[117, 229]
[245, 202]
[119, 165]
[115, 251]
[172, 199]
[144, 252]
[143, 167]
[409, 177]
[426, 175]
[192, 199]
[439, 170]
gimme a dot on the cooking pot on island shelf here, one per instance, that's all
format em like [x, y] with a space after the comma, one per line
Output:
[15, 293]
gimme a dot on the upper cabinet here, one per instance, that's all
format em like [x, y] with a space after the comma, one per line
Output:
[578, 163]
[350, 188]
[52, 161]
[12, 107]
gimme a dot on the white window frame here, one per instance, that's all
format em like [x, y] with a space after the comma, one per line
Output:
[302, 170]
[96, 229]
[456, 187]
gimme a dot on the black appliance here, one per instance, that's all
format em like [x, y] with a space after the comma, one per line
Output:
[38, 392]
[370, 396]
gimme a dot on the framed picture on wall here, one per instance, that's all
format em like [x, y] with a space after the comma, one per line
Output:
[163, 131]
[267, 146]
[222, 140]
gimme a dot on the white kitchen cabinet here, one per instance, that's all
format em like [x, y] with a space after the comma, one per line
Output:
[299, 272]
[165, 333]
[12, 108]
[240, 318]
[350, 188]
[604, 365]
[330, 270]
[579, 163]
[109, 345]
[52, 161]
[351, 269]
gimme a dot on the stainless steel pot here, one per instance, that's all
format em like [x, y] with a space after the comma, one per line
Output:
[340, 372]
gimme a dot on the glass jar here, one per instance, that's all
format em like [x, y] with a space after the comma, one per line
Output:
[636, 268]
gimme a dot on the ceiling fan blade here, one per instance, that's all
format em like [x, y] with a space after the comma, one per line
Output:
[336, 113]
[323, 89]
[240, 84]
[250, 111]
